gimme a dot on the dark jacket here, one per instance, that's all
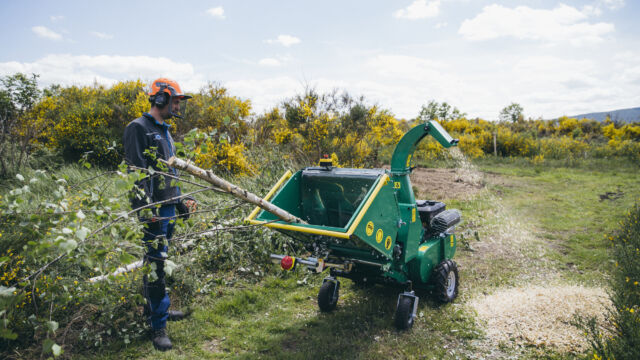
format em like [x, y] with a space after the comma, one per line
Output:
[141, 134]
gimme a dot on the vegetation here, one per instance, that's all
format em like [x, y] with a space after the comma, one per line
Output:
[620, 339]
[65, 218]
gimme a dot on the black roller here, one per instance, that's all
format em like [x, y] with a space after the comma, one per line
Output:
[445, 220]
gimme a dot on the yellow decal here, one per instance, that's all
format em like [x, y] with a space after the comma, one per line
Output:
[369, 228]
[423, 248]
[379, 235]
[408, 160]
[451, 240]
[413, 215]
[387, 243]
[396, 185]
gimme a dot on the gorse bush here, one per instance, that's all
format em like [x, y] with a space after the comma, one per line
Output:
[88, 120]
[314, 124]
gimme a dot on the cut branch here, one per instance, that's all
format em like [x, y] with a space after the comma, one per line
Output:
[210, 177]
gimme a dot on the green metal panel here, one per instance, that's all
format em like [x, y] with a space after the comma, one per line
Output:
[287, 198]
[401, 158]
[379, 225]
[411, 231]
[450, 243]
[440, 134]
[429, 256]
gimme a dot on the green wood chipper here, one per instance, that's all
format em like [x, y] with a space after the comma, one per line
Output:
[362, 224]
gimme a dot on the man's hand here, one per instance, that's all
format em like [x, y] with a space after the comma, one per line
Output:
[186, 207]
[191, 204]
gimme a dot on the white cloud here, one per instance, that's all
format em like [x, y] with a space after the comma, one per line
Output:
[216, 12]
[284, 40]
[264, 93]
[440, 25]
[68, 69]
[269, 62]
[46, 33]
[56, 18]
[613, 4]
[102, 35]
[419, 9]
[561, 24]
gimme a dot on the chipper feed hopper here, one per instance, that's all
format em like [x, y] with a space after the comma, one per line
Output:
[366, 225]
[362, 224]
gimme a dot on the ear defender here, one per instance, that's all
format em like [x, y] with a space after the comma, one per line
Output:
[160, 100]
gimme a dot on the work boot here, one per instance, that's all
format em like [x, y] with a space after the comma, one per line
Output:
[177, 315]
[161, 340]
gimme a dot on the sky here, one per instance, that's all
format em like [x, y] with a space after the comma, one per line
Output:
[553, 58]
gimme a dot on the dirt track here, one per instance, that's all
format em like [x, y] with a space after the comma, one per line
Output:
[537, 310]
[443, 184]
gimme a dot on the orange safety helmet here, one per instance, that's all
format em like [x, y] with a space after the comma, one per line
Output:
[163, 86]
[169, 86]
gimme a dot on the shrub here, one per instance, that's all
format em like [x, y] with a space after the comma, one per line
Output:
[620, 341]
[89, 120]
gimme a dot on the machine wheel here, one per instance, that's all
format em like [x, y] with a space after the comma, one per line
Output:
[446, 281]
[328, 296]
[404, 314]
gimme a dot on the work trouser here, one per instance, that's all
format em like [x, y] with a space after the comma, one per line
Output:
[155, 293]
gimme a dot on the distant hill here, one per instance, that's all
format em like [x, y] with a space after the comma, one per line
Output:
[622, 115]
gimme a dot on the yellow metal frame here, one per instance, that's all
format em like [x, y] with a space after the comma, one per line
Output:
[271, 192]
[343, 235]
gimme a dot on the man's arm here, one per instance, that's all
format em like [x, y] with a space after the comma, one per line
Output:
[135, 144]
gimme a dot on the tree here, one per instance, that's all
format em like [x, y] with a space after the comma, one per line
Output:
[512, 113]
[433, 110]
[18, 95]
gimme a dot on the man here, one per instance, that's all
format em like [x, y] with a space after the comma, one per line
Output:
[147, 139]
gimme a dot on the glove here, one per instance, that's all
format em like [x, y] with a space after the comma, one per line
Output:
[186, 206]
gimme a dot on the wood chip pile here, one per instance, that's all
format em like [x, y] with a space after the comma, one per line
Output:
[540, 316]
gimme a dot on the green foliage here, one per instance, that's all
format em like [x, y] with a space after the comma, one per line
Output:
[18, 95]
[443, 111]
[512, 112]
[313, 124]
[59, 230]
[89, 120]
[620, 340]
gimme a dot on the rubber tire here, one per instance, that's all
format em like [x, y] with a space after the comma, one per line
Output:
[441, 274]
[403, 318]
[326, 302]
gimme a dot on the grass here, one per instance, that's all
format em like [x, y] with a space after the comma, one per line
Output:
[278, 318]
[275, 315]
[565, 207]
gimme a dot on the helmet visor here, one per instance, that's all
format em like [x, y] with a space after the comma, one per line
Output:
[178, 106]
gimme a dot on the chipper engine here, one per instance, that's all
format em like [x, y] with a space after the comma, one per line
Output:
[363, 224]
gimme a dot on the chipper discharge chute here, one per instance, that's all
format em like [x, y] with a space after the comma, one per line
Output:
[366, 225]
